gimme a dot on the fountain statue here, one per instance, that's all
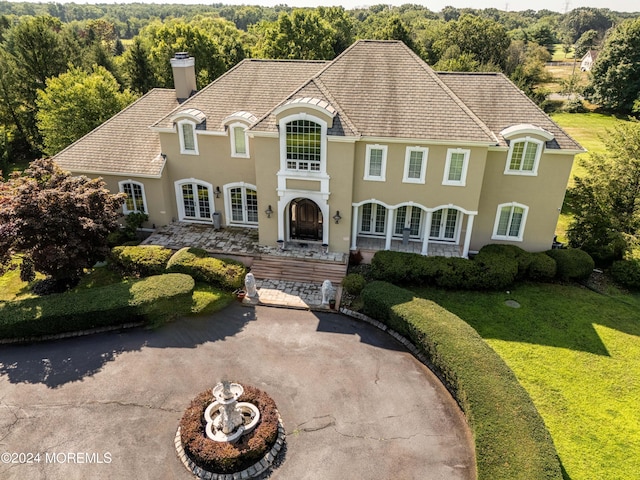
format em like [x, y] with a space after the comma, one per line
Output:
[327, 292]
[250, 285]
[227, 419]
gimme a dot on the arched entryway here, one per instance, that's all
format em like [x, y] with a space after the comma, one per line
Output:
[305, 220]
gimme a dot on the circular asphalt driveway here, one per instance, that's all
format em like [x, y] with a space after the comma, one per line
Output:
[355, 404]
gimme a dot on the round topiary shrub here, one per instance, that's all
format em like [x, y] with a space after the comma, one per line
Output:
[542, 267]
[353, 283]
[222, 457]
[140, 261]
[572, 263]
[626, 273]
[512, 251]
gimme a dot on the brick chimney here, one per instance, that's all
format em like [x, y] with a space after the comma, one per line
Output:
[184, 75]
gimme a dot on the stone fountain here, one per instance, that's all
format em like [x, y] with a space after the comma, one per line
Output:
[227, 419]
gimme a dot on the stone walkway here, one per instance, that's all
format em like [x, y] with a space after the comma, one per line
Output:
[244, 241]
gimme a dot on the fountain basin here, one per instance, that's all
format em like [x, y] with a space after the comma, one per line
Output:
[249, 413]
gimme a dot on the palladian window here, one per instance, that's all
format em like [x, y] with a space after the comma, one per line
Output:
[303, 145]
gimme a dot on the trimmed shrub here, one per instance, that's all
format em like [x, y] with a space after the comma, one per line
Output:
[353, 283]
[542, 267]
[114, 304]
[511, 440]
[224, 273]
[487, 271]
[512, 251]
[220, 457]
[626, 273]
[140, 261]
[572, 263]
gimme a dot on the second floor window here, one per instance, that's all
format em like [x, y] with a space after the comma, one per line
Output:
[524, 156]
[304, 145]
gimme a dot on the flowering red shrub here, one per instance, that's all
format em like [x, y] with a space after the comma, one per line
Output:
[221, 457]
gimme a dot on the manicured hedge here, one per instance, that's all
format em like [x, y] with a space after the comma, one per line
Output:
[486, 271]
[140, 261]
[572, 263]
[542, 267]
[91, 308]
[224, 273]
[522, 257]
[353, 283]
[511, 439]
[626, 273]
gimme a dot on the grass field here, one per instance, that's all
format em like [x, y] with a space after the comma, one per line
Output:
[577, 353]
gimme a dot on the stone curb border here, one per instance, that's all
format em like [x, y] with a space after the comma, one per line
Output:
[79, 333]
[252, 472]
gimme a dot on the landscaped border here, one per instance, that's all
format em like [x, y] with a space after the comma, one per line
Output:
[511, 439]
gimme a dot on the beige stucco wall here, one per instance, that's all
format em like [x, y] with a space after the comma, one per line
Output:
[543, 194]
[213, 164]
[430, 194]
[340, 167]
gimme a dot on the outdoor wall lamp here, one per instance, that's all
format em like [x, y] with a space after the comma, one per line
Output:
[337, 216]
[269, 211]
[217, 192]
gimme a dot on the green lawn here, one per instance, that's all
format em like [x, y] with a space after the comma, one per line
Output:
[577, 353]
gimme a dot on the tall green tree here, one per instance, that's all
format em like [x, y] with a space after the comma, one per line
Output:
[303, 35]
[606, 200]
[615, 75]
[585, 43]
[485, 39]
[138, 67]
[75, 102]
[58, 222]
[32, 52]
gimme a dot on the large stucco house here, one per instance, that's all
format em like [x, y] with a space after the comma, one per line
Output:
[369, 151]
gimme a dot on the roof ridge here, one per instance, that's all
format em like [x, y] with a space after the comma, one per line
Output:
[431, 72]
[114, 117]
[325, 91]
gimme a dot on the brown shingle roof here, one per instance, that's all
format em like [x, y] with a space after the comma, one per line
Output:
[500, 104]
[123, 144]
[254, 86]
[386, 90]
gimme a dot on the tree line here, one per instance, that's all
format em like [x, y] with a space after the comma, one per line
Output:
[66, 68]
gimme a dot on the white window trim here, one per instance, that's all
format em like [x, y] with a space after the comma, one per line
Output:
[227, 203]
[374, 208]
[144, 196]
[423, 169]
[383, 168]
[180, 200]
[534, 171]
[465, 162]
[183, 150]
[233, 140]
[282, 124]
[407, 221]
[457, 229]
[520, 236]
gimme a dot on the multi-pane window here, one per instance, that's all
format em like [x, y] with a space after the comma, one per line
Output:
[373, 219]
[376, 162]
[244, 205]
[188, 137]
[443, 224]
[135, 197]
[303, 145]
[196, 201]
[239, 140]
[510, 222]
[524, 156]
[414, 215]
[456, 167]
[415, 165]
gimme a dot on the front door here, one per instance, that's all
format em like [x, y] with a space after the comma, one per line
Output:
[305, 220]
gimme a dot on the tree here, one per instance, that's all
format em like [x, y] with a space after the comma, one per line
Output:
[485, 39]
[579, 20]
[138, 67]
[302, 35]
[58, 223]
[606, 200]
[75, 103]
[585, 43]
[615, 83]
[342, 24]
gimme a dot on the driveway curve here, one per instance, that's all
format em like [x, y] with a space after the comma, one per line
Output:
[355, 404]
